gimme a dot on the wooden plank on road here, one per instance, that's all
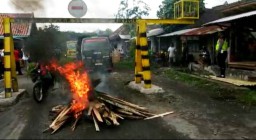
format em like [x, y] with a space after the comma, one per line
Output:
[234, 81]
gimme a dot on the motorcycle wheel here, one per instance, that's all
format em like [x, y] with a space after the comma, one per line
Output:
[38, 92]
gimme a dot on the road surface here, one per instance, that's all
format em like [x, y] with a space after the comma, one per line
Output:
[27, 120]
[196, 114]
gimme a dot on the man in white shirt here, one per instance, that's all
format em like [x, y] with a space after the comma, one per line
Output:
[171, 51]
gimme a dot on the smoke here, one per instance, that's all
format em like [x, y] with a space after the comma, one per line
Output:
[29, 6]
[104, 78]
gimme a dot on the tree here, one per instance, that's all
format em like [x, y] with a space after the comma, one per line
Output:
[46, 43]
[72, 35]
[166, 11]
[136, 10]
[108, 31]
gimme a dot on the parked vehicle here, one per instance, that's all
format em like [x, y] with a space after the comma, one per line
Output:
[43, 83]
[96, 54]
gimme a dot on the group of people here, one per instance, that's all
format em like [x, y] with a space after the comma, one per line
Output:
[161, 58]
[168, 58]
[20, 58]
[221, 49]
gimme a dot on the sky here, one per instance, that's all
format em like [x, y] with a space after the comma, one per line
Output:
[96, 9]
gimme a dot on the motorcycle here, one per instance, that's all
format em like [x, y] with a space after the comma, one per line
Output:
[205, 56]
[42, 84]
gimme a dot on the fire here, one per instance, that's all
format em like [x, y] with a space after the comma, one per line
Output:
[79, 83]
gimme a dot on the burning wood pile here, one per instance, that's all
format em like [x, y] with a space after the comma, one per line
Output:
[101, 109]
[105, 109]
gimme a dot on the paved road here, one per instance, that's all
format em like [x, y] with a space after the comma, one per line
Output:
[197, 114]
[28, 119]
[1, 85]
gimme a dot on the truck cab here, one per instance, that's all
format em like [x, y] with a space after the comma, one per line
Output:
[96, 54]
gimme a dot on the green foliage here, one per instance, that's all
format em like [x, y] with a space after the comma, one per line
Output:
[137, 10]
[249, 98]
[72, 35]
[108, 32]
[166, 11]
[132, 49]
[31, 66]
[105, 33]
[126, 64]
[47, 43]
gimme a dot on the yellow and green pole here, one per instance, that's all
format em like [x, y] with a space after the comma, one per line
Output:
[7, 58]
[144, 54]
[138, 65]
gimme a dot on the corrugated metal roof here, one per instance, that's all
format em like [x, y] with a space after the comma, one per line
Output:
[155, 32]
[125, 36]
[177, 32]
[205, 30]
[18, 29]
[231, 18]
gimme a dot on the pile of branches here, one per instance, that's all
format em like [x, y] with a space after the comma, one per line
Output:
[103, 109]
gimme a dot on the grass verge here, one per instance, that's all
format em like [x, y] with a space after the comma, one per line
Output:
[218, 91]
[125, 64]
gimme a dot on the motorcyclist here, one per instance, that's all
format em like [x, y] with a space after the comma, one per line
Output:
[46, 75]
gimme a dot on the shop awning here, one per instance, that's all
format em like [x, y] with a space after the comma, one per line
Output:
[205, 30]
[180, 32]
[155, 32]
[125, 36]
[231, 18]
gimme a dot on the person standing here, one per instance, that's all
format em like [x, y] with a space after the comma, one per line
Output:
[171, 50]
[221, 50]
[17, 61]
[24, 58]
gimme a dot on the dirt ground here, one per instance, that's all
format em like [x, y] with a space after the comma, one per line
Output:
[197, 115]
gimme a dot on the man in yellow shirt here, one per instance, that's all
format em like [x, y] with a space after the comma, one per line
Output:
[221, 50]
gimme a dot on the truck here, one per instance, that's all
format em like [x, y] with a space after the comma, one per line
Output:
[96, 54]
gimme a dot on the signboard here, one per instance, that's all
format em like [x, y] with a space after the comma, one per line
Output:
[71, 49]
[77, 8]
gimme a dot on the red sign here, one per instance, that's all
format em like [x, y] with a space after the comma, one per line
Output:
[77, 8]
[95, 40]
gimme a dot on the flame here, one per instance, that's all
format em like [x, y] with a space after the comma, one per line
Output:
[79, 84]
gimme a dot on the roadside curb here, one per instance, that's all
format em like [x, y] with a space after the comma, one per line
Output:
[5, 102]
[141, 89]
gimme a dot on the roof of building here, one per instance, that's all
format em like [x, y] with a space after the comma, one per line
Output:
[236, 7]
[180, 32]
[206, 16]
[155, 32]
[205, 30]
[231, 18]
[124, 30]
[18, 29]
